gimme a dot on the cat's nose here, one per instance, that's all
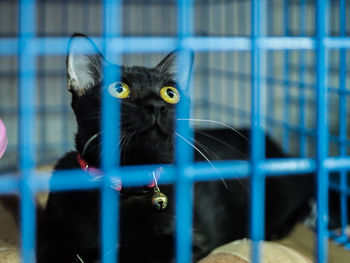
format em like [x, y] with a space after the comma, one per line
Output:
[156, 107]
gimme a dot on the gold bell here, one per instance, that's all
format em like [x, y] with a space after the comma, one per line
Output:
[159, 200]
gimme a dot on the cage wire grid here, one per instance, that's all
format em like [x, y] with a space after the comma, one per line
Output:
[28, 45]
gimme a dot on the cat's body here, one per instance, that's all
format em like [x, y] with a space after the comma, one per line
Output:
[71, 223]
[220, 215]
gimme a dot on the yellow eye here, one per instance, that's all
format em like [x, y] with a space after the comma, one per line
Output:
[119, 90]
[170, 94]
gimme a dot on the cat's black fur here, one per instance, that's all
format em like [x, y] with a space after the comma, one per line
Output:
[71, 222]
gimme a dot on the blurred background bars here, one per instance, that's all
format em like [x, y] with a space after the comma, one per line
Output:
[221, 86]
[342, 124]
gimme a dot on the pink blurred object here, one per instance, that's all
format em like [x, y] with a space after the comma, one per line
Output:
[3, 139]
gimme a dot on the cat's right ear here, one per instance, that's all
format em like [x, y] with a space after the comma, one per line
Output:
[83, 63]
[180, 68]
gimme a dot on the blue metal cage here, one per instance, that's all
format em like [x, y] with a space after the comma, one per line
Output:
[294, 51]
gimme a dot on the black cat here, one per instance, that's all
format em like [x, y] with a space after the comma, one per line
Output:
[148, 96]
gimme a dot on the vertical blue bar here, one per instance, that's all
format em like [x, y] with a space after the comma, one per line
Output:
[27, 16]
[110, 136]
[286, 104]
[322, 131]
[184, 153]
[302, 66]
[342, 124]
[257, 137]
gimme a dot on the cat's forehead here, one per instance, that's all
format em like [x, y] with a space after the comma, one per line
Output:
[142, 78]
[138, 73]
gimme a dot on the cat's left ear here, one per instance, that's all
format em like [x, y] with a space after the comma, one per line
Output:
[178, 65]
[84, 64]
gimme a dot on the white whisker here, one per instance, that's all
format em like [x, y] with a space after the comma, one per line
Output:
[86, 145]
[204, 156]
[206, 149]
[79, 258]
[217, 122]
[222, 142]
[218, 158]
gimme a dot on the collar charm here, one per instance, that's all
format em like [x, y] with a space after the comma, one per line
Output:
[159, 200]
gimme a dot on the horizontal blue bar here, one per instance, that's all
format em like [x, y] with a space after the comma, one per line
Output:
[217, 43]
[139, 175]
[339, 238]
[337, 42]
[282, 43]
[58, 45]
[203, 171]
[337, 163]
[288, 166]
[9, 184]
[9, 46]
[337, 187]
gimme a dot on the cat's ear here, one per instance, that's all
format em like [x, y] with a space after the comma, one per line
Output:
[83, 63]
[178, 65]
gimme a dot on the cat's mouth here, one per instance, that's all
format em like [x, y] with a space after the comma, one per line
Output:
[155, 131]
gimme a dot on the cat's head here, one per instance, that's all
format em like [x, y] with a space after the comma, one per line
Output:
[148, 98]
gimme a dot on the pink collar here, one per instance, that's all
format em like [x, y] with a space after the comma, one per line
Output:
[96, 174]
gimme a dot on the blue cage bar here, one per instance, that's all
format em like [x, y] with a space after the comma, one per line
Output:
[184, 172]
[27, 124]
[322, 132]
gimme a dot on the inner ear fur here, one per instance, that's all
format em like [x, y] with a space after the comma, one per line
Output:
[83, 64]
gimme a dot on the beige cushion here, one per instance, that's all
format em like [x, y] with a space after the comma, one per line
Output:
[239, 252]
[8, 236]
